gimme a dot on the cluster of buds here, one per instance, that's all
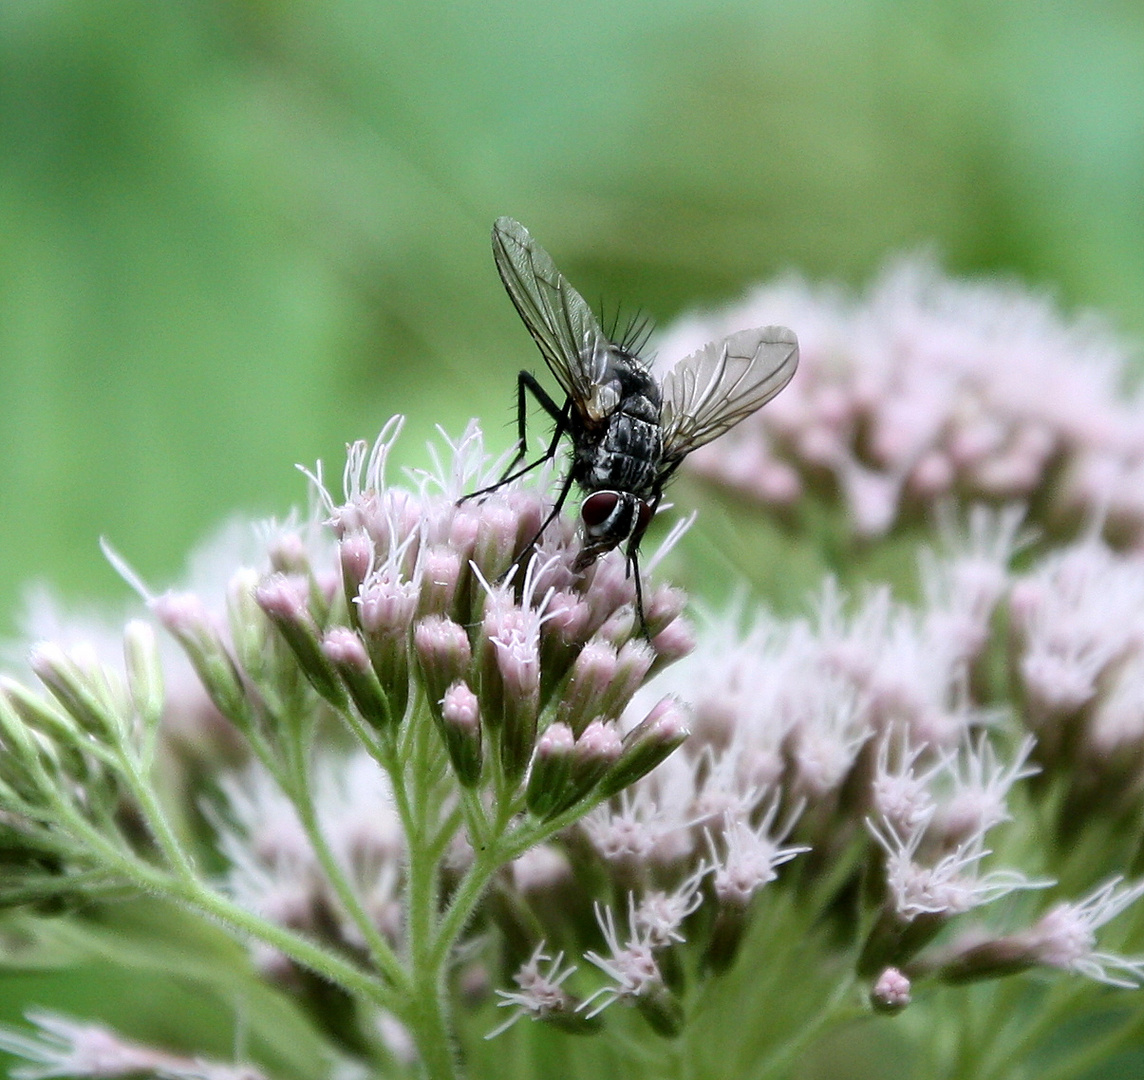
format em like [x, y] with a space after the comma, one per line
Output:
[927, 389]
[421, 617]
[524, 664]
[491, 687]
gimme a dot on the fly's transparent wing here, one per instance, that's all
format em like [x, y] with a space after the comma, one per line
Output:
[710, 391]
[561, 323]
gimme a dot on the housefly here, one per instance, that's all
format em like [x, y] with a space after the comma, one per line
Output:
[629, 431]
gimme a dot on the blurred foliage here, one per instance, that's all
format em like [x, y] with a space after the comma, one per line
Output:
[236, 233]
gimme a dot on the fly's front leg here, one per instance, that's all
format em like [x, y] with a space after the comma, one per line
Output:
[527, 381]
[530, 547]
[633, 567]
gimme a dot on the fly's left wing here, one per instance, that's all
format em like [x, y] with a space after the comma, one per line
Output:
[710, 391]
[560, 321]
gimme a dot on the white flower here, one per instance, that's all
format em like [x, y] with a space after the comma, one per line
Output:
[631, 966]
[540, 993]
[1065, 936]
[952, 885]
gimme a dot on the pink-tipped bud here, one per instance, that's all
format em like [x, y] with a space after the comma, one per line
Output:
[612, 588]
[657, 735]
[620, 626]
[562, 636]
[285, 599]
[592, 674]
[496, 541]
[188, 621]
[346, 653]
[443, 654]
[596, 751]
[551, 770]
[890, 992]
[288, 555]
[632, 666]
[355, 554]
[461, 728]
[663, 607]
[440, 576]
[674, 642]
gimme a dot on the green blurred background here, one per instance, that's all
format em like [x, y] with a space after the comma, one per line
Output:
[235, 234]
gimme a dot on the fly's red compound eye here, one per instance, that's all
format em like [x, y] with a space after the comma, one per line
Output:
[644, 518]
[598, 508]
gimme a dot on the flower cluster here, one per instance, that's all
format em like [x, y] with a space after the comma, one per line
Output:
[445, 779]
[927, 388]
[484, 682]
[868, 743]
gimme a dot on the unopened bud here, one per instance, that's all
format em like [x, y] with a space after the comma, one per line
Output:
[519, 667]
[591, 675]
[39, 713]
[144, 672]
[673, 642]
[595, 752]
[285, 599]
[22, 764]
[288, 555]
[250, 632]
[355, 555]
[663, 607]
[496, 540]
[184, 616]
[662, 1010]
[656, 736]
[443, 654]
[890, 992]
[620, 626]
[77, 691]
[551, 770]
[633, 662]
[440, 576]
[346, 652]
[461, 728]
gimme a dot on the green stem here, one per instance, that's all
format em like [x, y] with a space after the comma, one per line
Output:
[425, 1012]
[157, 822]
[191, 891]
[319, 960]
[302, 796]
[426, 1016]
[470, 889]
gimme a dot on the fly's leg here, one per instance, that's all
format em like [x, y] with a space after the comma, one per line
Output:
[530, 547]
[633, 567]
[527, 381]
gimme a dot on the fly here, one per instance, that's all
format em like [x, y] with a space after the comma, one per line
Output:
[629, 431]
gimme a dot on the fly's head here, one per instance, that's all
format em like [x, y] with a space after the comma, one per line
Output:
[609, 518]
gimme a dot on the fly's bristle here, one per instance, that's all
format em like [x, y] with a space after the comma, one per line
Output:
[631, 334]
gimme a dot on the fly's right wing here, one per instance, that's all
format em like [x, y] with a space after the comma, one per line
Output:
[710, 391]
[561, 323]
